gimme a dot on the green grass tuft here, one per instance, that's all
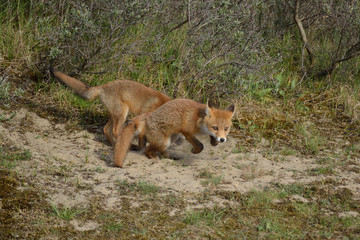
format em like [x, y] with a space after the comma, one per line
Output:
[10, 157]
[66, 213]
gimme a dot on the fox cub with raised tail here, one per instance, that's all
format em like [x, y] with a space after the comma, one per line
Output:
[177, 116]
[119, 98]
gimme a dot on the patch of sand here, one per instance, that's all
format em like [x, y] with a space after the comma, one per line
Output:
[74, 167]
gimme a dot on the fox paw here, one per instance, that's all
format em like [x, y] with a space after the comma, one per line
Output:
[213, 141]
[198, 149]
[134, 147]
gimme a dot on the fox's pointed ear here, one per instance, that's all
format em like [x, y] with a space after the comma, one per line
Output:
[207, 109]
[231, 108]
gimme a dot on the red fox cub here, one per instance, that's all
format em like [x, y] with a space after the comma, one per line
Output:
[177, 116]
[119, 98]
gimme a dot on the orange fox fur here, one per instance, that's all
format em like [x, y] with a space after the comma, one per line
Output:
[119, 98]
[177, 116]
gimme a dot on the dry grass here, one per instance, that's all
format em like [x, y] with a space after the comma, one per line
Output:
[282, 212]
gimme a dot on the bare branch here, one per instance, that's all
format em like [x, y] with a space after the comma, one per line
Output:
[178, 26]
[354, 51]
[302, 31]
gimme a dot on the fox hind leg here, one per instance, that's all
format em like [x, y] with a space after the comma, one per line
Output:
[108, 131]
[118, 120]
[142, 144]
[151, 151]
[118, 114]
[142, 141]
[160, 147]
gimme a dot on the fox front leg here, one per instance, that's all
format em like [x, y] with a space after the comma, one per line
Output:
[197, 145]
[213, 141]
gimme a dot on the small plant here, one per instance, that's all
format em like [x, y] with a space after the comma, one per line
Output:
[99, 170]
[239, 149]
[208, 216]
[171, 199]
[288, 152]
[311, 138]
[125, 186]
[265, 225]
[4, 90]
[314, 143]
[9, 157]
[294, 189]
[210, 178]
[352, 149]
[205, 174]
[321, 171]
[324, 160]
[140, 231]
[146, 188]
[141, 186]
[63, 170]
[115, 227]
[215, 180]
[66, 213]
[192, 217]
[249, 171]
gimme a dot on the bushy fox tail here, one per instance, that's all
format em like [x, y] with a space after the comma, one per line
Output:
[80, 88]
[123, 142]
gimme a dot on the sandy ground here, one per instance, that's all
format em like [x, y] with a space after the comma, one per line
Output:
[63, 162]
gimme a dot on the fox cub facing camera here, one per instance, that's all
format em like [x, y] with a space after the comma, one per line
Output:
[176, 116]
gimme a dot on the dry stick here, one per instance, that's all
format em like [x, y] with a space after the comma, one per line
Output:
[189, 13]
[354, 50]
[302, 31]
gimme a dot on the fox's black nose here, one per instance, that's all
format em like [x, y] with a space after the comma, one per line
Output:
[222, 139]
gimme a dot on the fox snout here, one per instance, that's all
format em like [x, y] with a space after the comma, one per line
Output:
[220, 139]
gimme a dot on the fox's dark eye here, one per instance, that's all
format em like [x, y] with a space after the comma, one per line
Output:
[226, 128]
[215, 127]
